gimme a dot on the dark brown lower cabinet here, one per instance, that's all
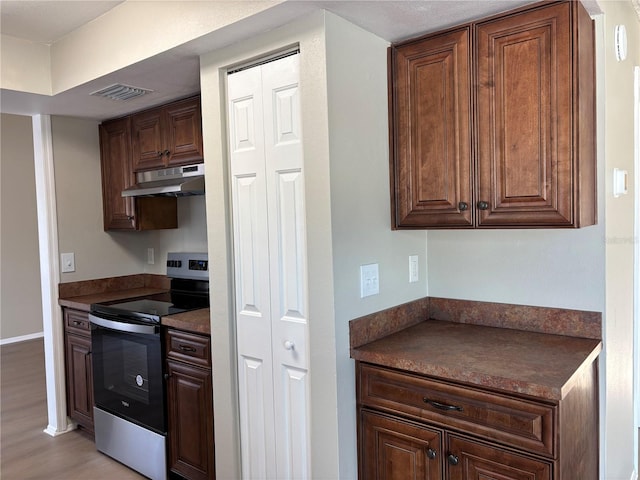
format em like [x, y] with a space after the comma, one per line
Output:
[190, 406]
[412, 426]
[470, 460]
[78, 366]
[395, 449]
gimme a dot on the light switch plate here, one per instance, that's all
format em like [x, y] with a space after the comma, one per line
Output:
[150, 256]
[68, 262]
[620, 179]
[369, 280]
[414, 269]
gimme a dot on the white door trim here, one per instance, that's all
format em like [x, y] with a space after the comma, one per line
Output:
[636, 263]
[49, 276]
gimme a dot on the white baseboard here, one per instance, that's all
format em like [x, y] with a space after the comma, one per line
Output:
[22, 338]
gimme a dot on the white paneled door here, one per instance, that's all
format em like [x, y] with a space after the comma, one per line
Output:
[269, 229]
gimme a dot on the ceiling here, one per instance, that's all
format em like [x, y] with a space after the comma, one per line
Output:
[176, 74]
[48, 21]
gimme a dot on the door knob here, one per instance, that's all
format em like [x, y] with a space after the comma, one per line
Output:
[289, 345]
[431, 453]
[483, 205]
[452, 459]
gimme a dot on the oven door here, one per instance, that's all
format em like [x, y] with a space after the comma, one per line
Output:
[127, 370]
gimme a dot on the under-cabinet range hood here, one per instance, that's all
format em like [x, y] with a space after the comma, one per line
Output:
[175, 182]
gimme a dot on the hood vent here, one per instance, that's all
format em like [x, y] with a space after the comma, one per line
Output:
[172, 182]
[121, 92]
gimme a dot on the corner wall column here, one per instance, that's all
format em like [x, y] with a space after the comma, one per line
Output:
[49, 276]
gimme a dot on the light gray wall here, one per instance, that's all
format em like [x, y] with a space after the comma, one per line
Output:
[76, 157]
[360, 213]
[20, 294]
[99, 254]
[190, 236]
[552, 268]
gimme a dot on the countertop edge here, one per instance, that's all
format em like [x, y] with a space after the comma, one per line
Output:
[479, 378]
[194, 321]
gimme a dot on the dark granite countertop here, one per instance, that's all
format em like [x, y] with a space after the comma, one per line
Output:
[83, 302]
[80, 295]
[530, 363]
[196, 321]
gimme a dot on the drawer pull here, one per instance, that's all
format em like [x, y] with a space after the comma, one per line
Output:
[431, 453]
[77, 323]
[186, 348]
[442, 406]
[452, 459]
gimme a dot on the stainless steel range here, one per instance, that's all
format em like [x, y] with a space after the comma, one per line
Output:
[129, 391]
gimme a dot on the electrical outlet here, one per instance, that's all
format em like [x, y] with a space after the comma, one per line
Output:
[150, 256]
[369, 280]
[414, 270]
[68, 262]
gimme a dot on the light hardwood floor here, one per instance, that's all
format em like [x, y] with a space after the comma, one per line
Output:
[26, 452]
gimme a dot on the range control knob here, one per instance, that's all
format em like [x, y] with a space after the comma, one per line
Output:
[174, 263]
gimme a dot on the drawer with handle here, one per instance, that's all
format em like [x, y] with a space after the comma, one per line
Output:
[188, 347]
[76, 321]
[509, 420]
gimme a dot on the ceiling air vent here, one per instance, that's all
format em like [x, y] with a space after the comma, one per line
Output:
[121, 92]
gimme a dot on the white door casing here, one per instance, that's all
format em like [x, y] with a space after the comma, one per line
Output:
[266, 165]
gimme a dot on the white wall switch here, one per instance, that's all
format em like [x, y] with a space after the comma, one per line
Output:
[68, 262]
[369, 280]
[150, 256]
[414, 269]
[620, 178]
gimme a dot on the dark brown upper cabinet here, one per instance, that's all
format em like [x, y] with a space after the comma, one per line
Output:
[431, 131]
[168, 136]
[120, 213]
[492, 124]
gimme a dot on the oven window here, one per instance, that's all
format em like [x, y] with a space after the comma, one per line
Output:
[127, 372]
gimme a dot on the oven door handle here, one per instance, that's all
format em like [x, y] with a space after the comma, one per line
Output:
[123, 326]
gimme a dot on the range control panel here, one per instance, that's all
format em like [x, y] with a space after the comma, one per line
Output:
[188, 265]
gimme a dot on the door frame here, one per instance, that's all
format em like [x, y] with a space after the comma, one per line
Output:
[636, 268]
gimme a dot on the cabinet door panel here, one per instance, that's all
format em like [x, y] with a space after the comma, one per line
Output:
[392, 449]
[183, 133]
[524, 122]
[430, 121]
[148, 148]
[475, 461]
[190, 418]
[117, 174]
[79, 380]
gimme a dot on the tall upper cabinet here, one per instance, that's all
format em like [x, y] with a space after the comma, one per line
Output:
[492, 124]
